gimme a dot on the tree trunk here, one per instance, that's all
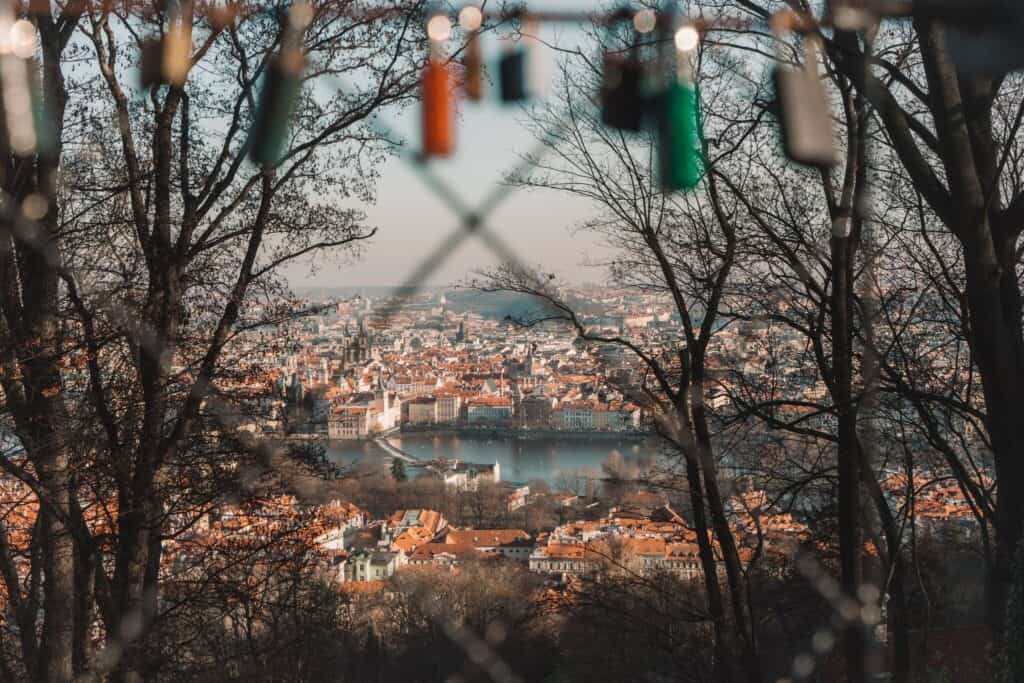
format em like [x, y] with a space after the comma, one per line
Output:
[723, 661]
[994, 304]
[847, 452]
[85, 573]
[899, 625]
[44, 431]
[56, 653]
[742, 627]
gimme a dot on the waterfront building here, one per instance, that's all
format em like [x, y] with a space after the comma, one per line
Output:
[467, 476]
[574, 416]
[447, 406]
[348, 422]
[534, 411]
[388, 407]
[614, 417]
[493, 409]
[363, 415]
[422, 410]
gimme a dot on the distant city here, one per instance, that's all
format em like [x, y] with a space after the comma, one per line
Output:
[362, 368]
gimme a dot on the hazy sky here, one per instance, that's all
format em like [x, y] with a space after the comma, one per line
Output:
[411, 220]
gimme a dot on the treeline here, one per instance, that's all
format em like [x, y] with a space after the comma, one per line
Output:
[141, 257]
[850, 336]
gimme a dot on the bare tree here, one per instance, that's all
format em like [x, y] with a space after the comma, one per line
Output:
[682, 247]
[152, 256]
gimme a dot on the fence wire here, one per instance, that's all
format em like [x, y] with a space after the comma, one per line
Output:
[472, 220]
[268, 455]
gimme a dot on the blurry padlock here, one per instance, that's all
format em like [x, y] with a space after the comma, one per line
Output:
[680, 140]
[622, 90]
[524, 70]
[167, 60]
[27, 125]
[281, 89]
[473, 85]
[471, 19]
[681, 158]
[437, 97]
[538, 59]
[972, 15]
[177, 54]
[805, 117]
[512, 75]
[438, 109]
[151, 65]
[983, 36]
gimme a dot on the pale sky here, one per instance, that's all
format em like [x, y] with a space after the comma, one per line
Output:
[411, 220]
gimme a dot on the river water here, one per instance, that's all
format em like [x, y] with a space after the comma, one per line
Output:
[521, 459]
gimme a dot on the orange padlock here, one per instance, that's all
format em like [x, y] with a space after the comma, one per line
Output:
[473, 84]
[438, 110]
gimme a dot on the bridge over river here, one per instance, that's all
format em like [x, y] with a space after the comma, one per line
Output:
[394, 451]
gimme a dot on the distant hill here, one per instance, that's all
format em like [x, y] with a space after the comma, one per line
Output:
[368, 291]
[494, 305]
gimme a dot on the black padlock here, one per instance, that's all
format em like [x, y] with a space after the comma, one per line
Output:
[165, 61]
[983, 36]
[622, 80]
[512, 73]
[151, 66]
[622, 94]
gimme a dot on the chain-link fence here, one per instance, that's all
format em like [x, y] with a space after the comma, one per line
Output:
[22, 219]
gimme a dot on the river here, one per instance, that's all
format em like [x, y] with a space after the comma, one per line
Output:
[521, 459]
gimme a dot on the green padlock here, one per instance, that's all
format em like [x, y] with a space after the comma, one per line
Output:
[681, 158]
[281, 89]
[42, 115]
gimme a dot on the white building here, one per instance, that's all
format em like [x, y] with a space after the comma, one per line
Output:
[447, 409]
[348, 422]
[467, 476]
[557, 558]
[577, 416]
[363, 419]
[370, 565]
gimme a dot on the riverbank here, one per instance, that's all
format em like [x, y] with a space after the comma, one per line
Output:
[546, 455]
[523, 434]
[485, 433]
